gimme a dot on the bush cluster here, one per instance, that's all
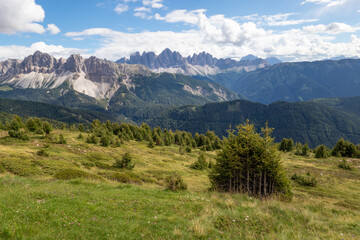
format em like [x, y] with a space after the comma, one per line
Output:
[345, 149]
[175, 182]
[344, 165]
[286, 145]
[304, 180]
[200, 163]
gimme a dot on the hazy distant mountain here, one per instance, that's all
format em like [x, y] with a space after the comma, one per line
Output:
[197, 64]
[273, 60]
[249, 57]
[300, 81]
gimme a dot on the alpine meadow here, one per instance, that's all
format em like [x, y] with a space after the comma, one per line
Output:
[159, 119]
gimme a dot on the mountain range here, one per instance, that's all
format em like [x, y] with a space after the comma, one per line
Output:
[299, 81]
[85, 89]
[96, 80]
[197, 64]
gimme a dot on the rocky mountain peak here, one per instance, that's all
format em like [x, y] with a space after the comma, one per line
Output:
[202, 59]
[75, 63]
[202, 63]
[168, 59]
[40, 62]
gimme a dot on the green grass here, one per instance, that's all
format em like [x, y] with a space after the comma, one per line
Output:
[35, 205]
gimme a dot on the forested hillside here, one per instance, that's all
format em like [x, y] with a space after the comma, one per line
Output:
[303, 121]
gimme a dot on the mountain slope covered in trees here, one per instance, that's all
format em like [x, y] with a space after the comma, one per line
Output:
[303, 121]
[299, 81]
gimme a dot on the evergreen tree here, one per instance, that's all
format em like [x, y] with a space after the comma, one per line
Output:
[249, 163]
[62, 139]
[47, 128]
[125, 162]
[305, 150]
[321, 152]
[200, 164]
[151, 143]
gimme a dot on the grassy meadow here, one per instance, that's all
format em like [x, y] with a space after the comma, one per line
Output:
[107, 203]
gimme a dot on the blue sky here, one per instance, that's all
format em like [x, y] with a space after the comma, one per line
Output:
[295, 30]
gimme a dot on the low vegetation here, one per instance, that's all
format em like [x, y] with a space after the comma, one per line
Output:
[79, 191]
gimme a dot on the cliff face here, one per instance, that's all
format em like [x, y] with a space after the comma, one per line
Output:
[95, 77]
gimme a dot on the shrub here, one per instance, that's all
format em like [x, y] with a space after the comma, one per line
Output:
[32, 125]
[249, 163]
[344, 149]
[102, 165]
[344, 165]
[125, 162]
[188, 149]
[16, 123]
[42, 153]
[303, 151]
[19, 134]
[151, 143]
[174, 182]
[80, 136]
[2, 169]
[321, 152]
[200, 164]
[68, 174]
[304, 180]
[62, 139]
[124, 177]
[92, 139]
[286, 145]
[105, 140]
[81, 127]
[47, 128]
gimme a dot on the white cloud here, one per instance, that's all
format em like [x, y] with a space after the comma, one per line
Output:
[327, 3]
[121, 8]
[20, 52]
[142, 9]
[216, 28]
[153, 3]
[332, 28]
[21, 16]
[283, 20]
[142, 15]
[224, 37]
[53, 29]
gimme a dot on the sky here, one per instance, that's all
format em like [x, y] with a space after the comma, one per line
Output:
[291, 30]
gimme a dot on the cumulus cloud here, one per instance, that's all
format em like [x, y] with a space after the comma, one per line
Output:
[216, 28]
[332, 28]
[53, 29]
[224, 37]
[20, 52]
[21, 16]
[120, 8]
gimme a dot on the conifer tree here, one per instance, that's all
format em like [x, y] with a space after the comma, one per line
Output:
[249, 163]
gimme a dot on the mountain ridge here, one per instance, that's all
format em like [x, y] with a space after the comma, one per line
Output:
[97, 78]
[198, 64]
